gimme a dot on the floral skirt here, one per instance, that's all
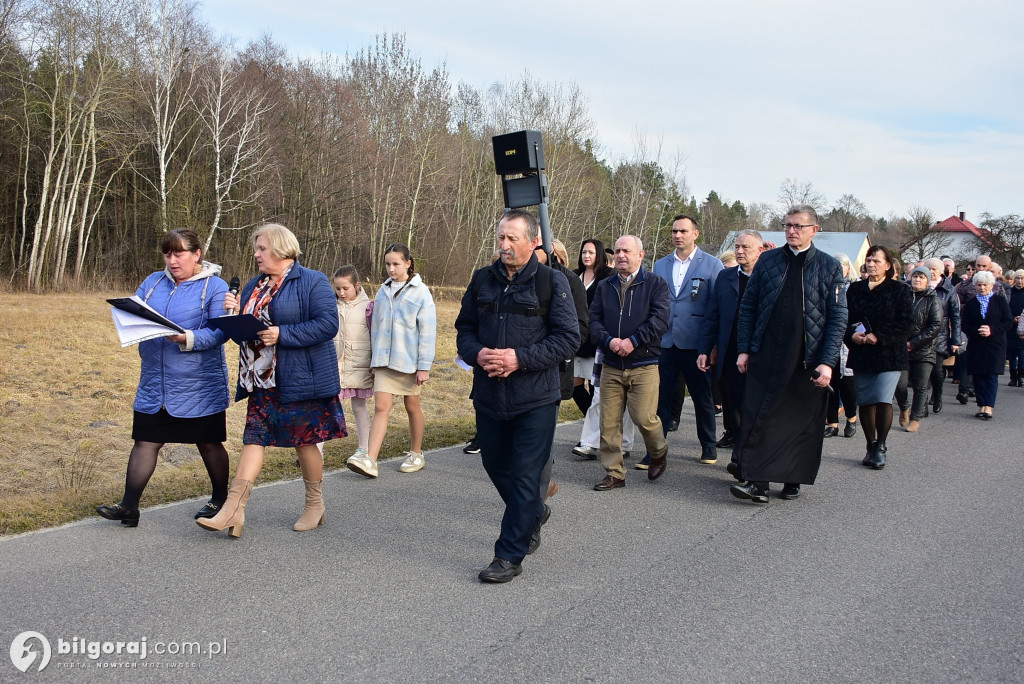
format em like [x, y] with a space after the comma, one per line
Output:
[269, 422]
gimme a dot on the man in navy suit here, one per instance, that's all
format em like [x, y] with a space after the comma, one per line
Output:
[691, 277]
[718, 337]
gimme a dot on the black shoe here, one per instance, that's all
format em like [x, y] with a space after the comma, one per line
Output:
[535, 537]
[876, 456]
[749, 491]
[207, 511]
[673, 425]
[499, 571]
[471, 447]
[1012, 383]
[708, 455]
[727, 441]
[850, 430]
[936, 405]
[119, 512]
[733, 468]
[971, 393]
[626, 455]
[790, 492]
[831, 431]
[961, 397]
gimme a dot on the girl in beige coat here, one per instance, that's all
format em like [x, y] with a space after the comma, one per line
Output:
[355, 310]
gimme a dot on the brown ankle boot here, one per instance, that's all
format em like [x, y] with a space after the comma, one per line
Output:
[232, 513]
[313, 513]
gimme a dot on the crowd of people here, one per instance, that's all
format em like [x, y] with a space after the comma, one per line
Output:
[780, 340]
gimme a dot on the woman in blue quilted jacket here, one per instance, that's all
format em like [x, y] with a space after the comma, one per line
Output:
[289, 374]
[183, 386]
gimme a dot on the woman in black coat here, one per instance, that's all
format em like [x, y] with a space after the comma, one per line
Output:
[985, 319]
[879, 324]
[1014, 346]
[591, 269]
[921, 346]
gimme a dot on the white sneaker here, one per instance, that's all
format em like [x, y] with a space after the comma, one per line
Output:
[361, 463]
[586, 452]
[412, 462]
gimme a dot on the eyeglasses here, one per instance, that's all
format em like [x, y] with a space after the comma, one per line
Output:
[798, 226]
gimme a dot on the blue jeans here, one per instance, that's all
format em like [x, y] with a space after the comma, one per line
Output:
[516, 454]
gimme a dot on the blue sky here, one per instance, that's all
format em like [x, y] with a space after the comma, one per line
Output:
[898, 102]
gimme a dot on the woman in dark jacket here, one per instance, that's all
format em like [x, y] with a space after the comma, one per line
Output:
[591, 267]
[289, 373]
[1014, 346]
[921, 349]
[985, 319]
[879, 323]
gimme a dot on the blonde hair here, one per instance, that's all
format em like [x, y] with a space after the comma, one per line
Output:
[282, 242]
[560, 253]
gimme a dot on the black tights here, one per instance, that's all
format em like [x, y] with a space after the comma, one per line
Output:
[876, 419]
[142, 463]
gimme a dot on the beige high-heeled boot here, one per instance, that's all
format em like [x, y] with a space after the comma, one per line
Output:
[232, 513]
[313, 513]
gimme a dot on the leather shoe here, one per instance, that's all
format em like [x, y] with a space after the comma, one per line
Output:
[749, 491]
[850, 430]
[936, 405]
[208, 511]
[904, 417]
[499, 571]
[119, 512]
[673, 425]
[790, 492]
[708, 455]
[657, 467]
[609, 482]
[727, 441]
[733, 468]
[535, 537]
[876, 456]
[961, 397]
[831, 431]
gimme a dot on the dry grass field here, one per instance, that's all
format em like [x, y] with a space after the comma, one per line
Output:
[66, 394]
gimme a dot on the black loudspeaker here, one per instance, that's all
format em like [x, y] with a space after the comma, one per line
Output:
[519, 152]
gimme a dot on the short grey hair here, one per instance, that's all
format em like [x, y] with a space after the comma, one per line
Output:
[281, 241]
[637, 241]
[804, 209]
[982, 277]
[934, 263]
[752, 233]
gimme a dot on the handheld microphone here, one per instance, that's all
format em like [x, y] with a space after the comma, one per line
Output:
[815, 374]
[233, 288]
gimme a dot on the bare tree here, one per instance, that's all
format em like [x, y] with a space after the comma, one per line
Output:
[847, 215]
[233, 113]
[792, 192]
[172, 43]
[919, 241]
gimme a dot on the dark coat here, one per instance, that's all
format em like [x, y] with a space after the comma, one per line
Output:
[886, 312]
[1013, 343]
[540, 342]
[306, 311]
[986, 355]
[641, 315]
[928, 321]
[950, 333]
[579, 299]
[587, 348]
[824, 305]
[720, 315]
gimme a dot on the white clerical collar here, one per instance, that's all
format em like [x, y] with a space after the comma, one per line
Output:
[798, 251]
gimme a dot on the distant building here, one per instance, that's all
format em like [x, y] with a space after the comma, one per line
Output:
[853, 245]
[959, 238]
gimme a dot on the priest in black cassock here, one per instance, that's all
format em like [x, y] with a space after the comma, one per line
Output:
[790, 328]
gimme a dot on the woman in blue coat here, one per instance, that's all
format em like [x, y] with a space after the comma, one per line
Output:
[289, 374]
[183, 387]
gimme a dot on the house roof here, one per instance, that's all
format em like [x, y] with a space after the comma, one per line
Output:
[954, 224]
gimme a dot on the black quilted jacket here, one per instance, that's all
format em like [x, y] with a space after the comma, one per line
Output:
[824, 305]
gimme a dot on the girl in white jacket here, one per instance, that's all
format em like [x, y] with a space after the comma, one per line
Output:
[355, 311]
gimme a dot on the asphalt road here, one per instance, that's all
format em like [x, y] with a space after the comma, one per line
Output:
[913, 573]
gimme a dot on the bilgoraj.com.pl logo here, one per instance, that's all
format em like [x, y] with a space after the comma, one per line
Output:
[31, 650]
